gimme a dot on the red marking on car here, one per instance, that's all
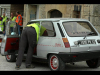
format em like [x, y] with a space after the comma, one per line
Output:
[57, 45]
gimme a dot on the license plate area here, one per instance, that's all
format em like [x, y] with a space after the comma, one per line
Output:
[85, 42]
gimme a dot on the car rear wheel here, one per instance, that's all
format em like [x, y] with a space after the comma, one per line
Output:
[93, 63]
[10, 58]
[55, 63]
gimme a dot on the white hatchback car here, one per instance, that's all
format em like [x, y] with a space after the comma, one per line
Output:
[66, 40]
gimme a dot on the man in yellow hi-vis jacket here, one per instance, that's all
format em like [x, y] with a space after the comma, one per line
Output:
[30, 35]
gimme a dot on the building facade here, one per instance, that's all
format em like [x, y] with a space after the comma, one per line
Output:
[90, 12]
[29, 12]
[5, 8]
[8, 8]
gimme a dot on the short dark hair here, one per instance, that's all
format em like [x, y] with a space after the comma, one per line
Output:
[18, 12]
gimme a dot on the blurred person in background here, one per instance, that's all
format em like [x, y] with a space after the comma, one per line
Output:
[19, 22]
[12, 18]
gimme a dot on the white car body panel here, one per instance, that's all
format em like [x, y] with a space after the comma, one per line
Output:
[48, 45]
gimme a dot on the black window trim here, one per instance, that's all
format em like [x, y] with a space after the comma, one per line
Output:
[61, 32]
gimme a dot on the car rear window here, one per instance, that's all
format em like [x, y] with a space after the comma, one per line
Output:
[78, 28]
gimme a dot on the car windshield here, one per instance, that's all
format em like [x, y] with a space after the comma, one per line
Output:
[78, 28]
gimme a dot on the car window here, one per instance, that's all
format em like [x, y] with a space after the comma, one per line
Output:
[78, 28]
[49, 29]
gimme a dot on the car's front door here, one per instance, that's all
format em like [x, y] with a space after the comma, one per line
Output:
[46, 41]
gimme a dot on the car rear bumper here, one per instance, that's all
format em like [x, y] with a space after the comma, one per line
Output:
[78, 56]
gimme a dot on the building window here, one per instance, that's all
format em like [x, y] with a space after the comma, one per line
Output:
[3, 10]
[76, 14]
[77, 11]
[54, 14]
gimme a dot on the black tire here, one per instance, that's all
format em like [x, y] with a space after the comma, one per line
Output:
[59, 63]
[93, 63]
[10, 58]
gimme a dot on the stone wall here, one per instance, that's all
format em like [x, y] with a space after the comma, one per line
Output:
[85, 11]
[25, 15]
[17, 7]
[96, 16]
[42, 11]
[29, 13]
[88, 11]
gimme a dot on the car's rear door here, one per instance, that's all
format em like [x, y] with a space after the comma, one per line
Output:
[73, 40]
[10, 44]
[96, 46]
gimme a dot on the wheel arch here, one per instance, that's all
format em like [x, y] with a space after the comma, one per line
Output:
[51, 53]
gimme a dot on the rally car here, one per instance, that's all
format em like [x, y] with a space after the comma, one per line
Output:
[66, 40]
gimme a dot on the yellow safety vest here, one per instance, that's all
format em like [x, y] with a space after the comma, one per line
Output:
[4, 19]
[36, 26]
[42, 30]
[13, 19]
[1, 25]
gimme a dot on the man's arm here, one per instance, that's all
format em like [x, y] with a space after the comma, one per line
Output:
[18, 19]
[15, 19]
[4, 27]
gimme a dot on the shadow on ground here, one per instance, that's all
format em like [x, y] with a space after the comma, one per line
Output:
[79, 66]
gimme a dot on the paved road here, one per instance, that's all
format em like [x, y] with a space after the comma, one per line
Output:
[10, 66]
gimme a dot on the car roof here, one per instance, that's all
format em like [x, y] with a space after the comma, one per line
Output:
[58, 19]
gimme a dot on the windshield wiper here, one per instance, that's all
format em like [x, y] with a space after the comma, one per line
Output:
[89, 34]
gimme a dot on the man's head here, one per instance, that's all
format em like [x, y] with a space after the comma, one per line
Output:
[3, 14]
[12, 14]
[17, 13]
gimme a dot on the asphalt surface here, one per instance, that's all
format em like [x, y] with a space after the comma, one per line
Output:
[10, 66]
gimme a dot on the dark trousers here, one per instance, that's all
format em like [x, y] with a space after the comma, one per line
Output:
[18, 27]
[11, 29]
[28, 36]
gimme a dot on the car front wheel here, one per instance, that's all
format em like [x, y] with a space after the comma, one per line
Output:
[55, 63]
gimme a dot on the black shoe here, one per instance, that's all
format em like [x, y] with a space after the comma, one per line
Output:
[30, 66]
[17, 67]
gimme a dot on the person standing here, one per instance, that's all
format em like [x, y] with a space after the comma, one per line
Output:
[19, 21]
[30, 35]
[4, 22]
[12, 18]
[4, 18]
[2, 25]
